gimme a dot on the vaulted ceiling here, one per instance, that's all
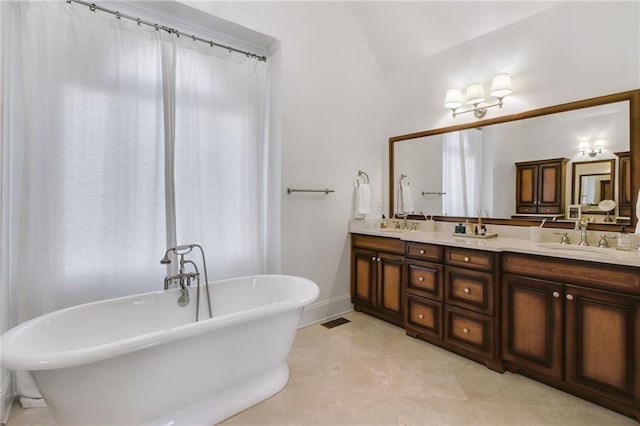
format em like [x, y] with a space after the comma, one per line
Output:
[400, 32]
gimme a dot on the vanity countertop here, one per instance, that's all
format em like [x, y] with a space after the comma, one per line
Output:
[508, 244]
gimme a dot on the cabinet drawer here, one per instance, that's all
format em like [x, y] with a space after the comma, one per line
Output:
[423, 251]
[386, 244]
[470, 289]
[424, 279]
[424, 316]
[475, 259]
[470, 331]
[550, 210]
[592, 274]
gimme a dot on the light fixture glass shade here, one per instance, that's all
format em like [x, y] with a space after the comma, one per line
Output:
[584, 145]
[599, 143]
[475, 94]
[453, 99]
[501, 86]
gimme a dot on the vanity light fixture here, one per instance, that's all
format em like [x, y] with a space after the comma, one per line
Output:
[474, 96]
[591, 151]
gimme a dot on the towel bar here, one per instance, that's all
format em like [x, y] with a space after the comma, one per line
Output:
[326, 190]
[433, 193]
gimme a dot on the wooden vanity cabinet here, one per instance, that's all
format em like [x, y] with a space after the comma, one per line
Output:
[424, 292]
[451, 299]
[377, 269]
[576, 325]
[540, 187]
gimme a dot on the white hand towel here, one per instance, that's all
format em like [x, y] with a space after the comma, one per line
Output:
[406, 199]
[363, 200]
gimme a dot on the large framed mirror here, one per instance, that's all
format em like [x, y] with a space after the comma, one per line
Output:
[460, 172]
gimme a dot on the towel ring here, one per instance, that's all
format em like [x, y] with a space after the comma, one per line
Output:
[403, 176]
[364, 175]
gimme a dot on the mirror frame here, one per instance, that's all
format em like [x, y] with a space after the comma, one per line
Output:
[633, 96]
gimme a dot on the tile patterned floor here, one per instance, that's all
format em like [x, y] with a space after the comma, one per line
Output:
[368, 372]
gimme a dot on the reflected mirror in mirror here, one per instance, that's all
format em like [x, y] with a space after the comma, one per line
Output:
[592, 182]
[469, 171]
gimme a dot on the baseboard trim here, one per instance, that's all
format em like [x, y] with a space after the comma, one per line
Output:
[6, 396]
[325, 310]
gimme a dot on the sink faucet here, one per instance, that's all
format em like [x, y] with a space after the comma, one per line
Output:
[404, 219]
[583, 233]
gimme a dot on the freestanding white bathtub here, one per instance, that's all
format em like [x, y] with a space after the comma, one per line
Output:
[143, 360]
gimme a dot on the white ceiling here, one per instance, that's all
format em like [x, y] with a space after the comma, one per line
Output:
[401, 32]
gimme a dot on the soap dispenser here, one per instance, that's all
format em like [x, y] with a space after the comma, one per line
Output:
[624, 241]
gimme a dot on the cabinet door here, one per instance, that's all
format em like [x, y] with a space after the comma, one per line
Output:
[550, 188]
[532, 324]
[624, 183]
[602, 341]
[390, 273]
[526, 188]
[363, 275]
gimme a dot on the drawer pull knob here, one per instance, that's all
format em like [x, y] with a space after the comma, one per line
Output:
[466, 259]
[467, 290]
[421, 251]
[420, 279]
[421, 316]
[569, 297]
[556, 294]
[465, 330]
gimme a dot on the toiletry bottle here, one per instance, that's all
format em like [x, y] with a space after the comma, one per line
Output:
[624, 241]
[383, 224]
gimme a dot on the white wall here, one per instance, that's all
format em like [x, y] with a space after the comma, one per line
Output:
[574, 51]
[331, 103]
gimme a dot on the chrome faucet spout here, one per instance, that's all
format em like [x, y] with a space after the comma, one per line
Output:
[583, 233]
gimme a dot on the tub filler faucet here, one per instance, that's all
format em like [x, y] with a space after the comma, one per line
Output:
[184, 279]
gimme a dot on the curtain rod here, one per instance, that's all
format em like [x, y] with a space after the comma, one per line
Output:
[93, 7]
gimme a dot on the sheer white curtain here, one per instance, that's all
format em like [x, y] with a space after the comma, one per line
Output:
[463, 173]
[97, 116]
[86, 167]
[220, 154]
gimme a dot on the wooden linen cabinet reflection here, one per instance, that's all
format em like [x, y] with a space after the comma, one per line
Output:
[540, 186]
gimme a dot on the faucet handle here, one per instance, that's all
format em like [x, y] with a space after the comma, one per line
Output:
[564, 239]
[603, 243]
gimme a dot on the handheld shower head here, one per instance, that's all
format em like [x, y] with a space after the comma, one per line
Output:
[165, 260]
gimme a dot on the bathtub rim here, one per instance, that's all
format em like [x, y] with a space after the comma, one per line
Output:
[19, 359]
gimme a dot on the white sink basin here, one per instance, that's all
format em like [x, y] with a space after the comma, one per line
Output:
[573, 249]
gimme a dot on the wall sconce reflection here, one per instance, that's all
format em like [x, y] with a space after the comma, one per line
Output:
[474, 96]
[591, 149]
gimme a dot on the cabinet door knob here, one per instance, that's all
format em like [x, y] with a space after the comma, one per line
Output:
[421, 316]
[378, 259]
[373, 258]
[465, 330]
[420, 279]
[467, 290]
[569, 297]
[466, 259]
[556, 294]
[421, 251]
